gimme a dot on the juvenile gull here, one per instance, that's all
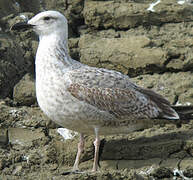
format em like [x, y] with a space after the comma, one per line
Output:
[86, 99]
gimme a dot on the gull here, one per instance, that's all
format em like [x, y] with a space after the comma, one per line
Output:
[87, 99]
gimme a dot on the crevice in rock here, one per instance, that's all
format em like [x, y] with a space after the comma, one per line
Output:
[102, 144]
[176, 99]
[171, 57]
[177, 151]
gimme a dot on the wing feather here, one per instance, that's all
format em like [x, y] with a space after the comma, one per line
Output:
[119, 102]
[112, 91]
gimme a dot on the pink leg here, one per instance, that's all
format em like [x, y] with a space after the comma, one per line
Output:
[80, 150]
[96, 154]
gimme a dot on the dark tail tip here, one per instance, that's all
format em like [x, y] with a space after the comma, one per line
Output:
[185, 112]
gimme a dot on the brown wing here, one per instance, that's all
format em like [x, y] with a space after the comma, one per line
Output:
[119, 102]
[166, 110]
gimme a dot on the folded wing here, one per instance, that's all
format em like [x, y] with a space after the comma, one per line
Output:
[122, 103]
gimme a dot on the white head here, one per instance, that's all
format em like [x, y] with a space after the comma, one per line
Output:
[49, 22]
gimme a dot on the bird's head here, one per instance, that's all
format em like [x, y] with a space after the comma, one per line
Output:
[45, 24]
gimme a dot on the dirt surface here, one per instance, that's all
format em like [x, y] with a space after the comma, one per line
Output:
[152, 47]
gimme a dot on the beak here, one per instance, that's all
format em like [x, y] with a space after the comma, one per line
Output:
[21, 26]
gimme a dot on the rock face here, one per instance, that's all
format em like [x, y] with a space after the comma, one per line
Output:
[150, 43]
[124, 15]
[122, 52]
[12, 64]
[24, 91]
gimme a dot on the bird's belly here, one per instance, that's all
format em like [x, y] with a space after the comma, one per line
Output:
[59, 108]
[65, 110]
[62, 108]
[78, 117]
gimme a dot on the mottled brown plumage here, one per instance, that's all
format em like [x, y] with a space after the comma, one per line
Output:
[122, 103]
[86, 99]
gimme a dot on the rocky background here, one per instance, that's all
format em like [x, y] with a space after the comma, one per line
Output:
[154, 46]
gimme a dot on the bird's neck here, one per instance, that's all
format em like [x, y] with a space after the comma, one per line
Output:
[53, 49]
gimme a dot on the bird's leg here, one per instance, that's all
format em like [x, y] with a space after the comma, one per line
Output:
[96, 153]
[80, 150]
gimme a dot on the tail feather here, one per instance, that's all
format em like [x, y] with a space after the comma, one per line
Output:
[168, 111]
[185, 112]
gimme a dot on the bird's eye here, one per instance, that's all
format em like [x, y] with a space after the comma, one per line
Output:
[47, 18]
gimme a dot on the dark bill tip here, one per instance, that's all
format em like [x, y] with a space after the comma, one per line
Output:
[21, 26]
